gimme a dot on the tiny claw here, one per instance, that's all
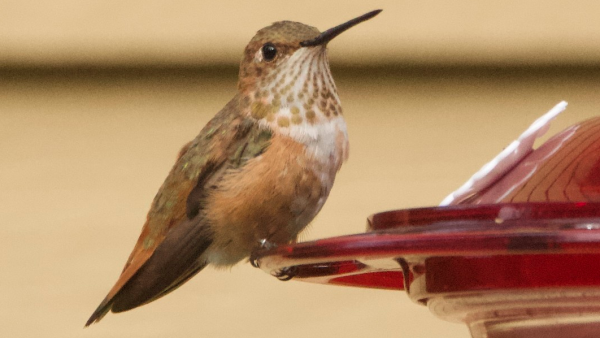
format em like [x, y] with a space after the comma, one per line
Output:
[254, 260]
[285, 274]
[264, 245]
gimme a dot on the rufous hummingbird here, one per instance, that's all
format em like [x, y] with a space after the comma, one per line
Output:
[257, 173]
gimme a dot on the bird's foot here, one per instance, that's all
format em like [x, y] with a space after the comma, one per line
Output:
[285, 274]
[264, 245]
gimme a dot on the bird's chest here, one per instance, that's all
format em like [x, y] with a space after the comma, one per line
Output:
[273, 197]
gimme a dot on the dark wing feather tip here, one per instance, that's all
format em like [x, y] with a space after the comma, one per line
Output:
[172, 262]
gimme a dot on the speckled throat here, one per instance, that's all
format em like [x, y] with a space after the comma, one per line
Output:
[299, 99]
[302, 90]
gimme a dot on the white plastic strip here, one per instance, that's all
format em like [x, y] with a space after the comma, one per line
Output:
[507, 159]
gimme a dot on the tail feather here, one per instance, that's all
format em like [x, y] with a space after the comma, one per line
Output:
[176, 259]
[100, 312]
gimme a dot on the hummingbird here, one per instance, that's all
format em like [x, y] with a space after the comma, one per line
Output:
[255, 176]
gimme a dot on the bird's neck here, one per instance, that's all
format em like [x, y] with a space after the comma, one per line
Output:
[300, 101]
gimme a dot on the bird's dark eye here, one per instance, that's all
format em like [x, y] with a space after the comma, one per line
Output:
[269, 51]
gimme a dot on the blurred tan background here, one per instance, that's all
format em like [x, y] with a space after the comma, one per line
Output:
[96, 97]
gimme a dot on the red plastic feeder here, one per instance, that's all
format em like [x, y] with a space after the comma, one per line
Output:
[527, 268]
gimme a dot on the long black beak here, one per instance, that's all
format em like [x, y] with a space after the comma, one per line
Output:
[331, 33]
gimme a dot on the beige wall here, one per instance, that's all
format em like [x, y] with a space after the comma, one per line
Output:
[202, 32]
